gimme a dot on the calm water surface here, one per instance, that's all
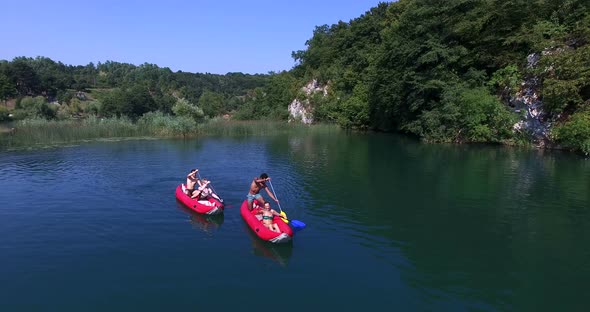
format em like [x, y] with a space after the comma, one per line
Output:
[391, 224]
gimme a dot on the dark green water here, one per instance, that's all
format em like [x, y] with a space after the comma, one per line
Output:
[391, 224]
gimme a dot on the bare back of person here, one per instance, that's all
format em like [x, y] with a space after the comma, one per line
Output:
[191, 181]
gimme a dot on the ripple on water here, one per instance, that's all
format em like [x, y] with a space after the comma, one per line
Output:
[434, 226]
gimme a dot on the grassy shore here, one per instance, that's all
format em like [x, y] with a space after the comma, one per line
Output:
[37, 133]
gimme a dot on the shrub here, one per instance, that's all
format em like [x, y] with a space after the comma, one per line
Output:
[183, 126]
[466, 115]
[245, 112]
[575, 133]
[36, 107]
[4, 115]
[159, 123]
[64, 96]
[93, 107]
[507, 78]
[483, 117]
[186, 109]
[355, 109]
[325, 108]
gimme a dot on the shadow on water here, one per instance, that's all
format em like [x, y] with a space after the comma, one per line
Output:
[279, 253]
[206, 223]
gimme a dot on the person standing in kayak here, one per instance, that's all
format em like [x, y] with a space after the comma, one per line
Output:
[255, 186]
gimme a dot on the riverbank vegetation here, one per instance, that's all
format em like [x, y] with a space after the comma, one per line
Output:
[39, 132]
[443, 71]
[455, 71]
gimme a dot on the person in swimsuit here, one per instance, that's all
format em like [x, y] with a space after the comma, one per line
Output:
[204, 192]
[268, 216]
[191, 181]
[255, 186]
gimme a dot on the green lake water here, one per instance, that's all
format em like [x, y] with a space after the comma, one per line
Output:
[391, 224]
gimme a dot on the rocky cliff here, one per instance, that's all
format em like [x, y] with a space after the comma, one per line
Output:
[301, 110]
[535, 121]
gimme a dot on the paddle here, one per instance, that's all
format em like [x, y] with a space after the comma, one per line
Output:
[211, 186]
[283, 214]
[297, 225]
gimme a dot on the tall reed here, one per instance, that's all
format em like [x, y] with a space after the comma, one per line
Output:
[35, 132]
[41, 132]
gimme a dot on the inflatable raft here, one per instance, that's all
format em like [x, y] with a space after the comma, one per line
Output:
[210, 206]
[253, 219]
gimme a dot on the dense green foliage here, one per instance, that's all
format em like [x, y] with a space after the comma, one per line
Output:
[439, 70]
[4, 114]
[119, 89]
[576, 132]
[442, 70]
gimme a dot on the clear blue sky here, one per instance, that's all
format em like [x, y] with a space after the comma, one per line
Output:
[213, 36]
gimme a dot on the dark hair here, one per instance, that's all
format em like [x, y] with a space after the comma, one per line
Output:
[263, 176]
[193, 170]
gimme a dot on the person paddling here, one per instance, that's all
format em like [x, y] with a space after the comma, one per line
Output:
[204, 191]
[255, 186]
[191, 181]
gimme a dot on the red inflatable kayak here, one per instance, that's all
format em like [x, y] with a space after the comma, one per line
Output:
[253, 221]
[210, 206]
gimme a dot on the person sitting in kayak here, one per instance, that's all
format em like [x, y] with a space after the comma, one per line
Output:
[268, 216]
[204, 192]
[191, 181]
[255, 186]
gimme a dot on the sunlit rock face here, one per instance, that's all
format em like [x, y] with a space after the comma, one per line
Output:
[534, 120]
[301, 110]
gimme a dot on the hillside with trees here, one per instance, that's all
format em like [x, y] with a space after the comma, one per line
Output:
[44, 88]
[448, 71]
[509, 72]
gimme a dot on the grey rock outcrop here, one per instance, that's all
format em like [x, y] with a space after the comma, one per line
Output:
[534, 121]
[301, 110]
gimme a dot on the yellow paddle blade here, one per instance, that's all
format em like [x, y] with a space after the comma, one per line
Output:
[284, 216]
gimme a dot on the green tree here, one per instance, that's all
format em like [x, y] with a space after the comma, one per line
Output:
[567, 87]
[140, 101]
[7, 89]
[113, 103]
[184, 108]
[355, 109]
[575, 133]
[465, 115]
[27, 80]
[278, 93]
[212, 103]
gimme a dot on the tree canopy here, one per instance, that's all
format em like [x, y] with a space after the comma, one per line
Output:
[439, 70]
[442, 70]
